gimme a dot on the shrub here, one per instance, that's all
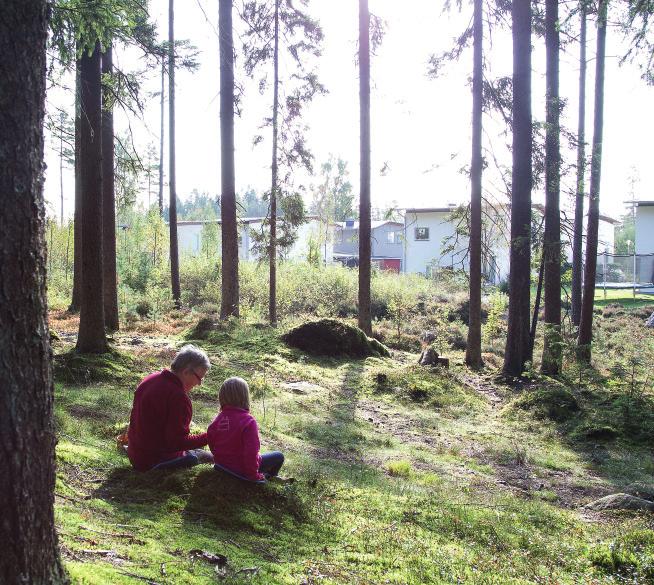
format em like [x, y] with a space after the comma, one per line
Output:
[557, 403]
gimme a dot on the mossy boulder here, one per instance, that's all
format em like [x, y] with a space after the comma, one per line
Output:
[331, 337]
[555, 403]
[113, 366]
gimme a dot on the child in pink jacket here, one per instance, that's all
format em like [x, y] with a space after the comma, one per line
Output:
[234, 436]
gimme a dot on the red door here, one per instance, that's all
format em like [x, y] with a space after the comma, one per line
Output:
[392, 264]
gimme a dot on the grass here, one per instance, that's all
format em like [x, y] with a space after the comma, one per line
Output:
[405, 475]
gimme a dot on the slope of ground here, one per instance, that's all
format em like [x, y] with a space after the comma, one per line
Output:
[405, 475]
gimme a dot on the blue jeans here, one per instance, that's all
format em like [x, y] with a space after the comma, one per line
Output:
[186, 460]
[271, 463]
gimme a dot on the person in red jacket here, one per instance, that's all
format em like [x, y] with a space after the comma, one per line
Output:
[234, 437]
[159, 425]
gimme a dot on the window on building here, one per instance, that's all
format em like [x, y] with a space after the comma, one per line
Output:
[394, 237]
[422, 233]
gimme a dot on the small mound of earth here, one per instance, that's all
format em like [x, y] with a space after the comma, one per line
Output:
[331, 337]
[203, 327]
[620, 502]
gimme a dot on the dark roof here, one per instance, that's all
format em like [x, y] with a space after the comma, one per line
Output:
[644, 203]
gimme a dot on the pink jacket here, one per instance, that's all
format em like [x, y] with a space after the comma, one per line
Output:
[234, 441]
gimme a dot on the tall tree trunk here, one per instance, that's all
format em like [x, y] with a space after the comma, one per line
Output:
[364, 202]
[517, 341]
[172, 209]
[473, 348]
[586, 322]
[91, 338]
[27, 435]
[577, 243]
[108, 203]
[61, 166]
[77, 217]
[272, 260]
[552, 353]
[161, 138]
[229, 301]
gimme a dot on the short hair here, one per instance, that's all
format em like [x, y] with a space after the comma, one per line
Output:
[190, 356]
[235, 392]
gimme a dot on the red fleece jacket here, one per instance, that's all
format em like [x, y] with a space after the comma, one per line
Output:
[159, 425]
[234, 441]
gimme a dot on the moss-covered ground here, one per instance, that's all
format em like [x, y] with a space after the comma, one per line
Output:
[404, 475]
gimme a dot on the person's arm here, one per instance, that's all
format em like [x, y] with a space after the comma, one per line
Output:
[251, 447]
[178, 427]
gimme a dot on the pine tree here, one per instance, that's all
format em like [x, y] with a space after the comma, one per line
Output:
[517, 341]
[27, 434]
[473, 348]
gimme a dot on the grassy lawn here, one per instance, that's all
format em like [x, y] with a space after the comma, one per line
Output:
[623, 297]
[405, 475]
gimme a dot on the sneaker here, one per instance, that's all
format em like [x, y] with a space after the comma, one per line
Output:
[282, 480]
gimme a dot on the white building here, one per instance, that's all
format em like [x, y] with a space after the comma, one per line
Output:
[645, 243]
[431, 240]
[190, 236]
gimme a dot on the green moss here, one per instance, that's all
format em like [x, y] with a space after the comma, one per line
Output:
[331, 337]
[113, 366]
[555, 403]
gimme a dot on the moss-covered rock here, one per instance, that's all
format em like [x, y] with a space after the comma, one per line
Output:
[113, 366]
[331, 337]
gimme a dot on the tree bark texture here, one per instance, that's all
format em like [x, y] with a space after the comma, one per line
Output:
[161, 139]
[172, 178]
[27, 436]
[473, 348]
[577, 241]
[517, 342]
[229, 283]
[552, 351]
[272, 259]
[77, 217]
[91, 337]
[108, 203]
[364, 202]
[586, 323]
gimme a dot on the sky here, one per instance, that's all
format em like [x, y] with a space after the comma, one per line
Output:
[420, 127]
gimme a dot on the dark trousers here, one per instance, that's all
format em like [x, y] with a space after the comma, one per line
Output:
[271, 463]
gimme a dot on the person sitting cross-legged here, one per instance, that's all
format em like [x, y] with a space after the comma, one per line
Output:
[234, 438]
[159, 426]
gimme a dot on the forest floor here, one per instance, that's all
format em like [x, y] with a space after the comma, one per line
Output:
[404, 474]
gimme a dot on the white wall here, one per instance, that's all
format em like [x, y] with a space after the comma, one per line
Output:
[418, 254]
[645, 229]
[189, 238]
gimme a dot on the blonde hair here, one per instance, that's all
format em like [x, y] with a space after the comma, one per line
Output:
[235, 392]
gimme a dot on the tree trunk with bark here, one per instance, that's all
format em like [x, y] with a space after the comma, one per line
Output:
[229, 283]
[27, 434]
[272, 259]
[586, 323]
[109, 203]
[517, 341]
[77, 217]
[172, 178]
[91, 337]
[552, 351]
[364, 202]
[473, 348]
[577, 242]
[161, 138]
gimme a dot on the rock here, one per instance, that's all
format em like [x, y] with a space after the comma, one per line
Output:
[428, 337]
[331, 337]
[430, 357]
[642, 490]
[620, 502]
[301, 387]
[650, 321]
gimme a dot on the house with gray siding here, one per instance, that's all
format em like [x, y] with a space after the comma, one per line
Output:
[385, 242]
